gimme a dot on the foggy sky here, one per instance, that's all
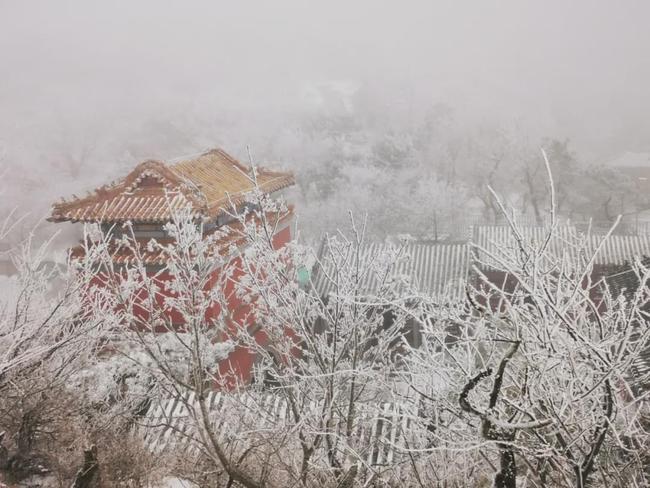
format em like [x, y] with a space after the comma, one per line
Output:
[573, 69]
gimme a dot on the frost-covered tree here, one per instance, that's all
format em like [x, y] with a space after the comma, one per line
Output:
[531, 382]
[52, 322]
[331, 356]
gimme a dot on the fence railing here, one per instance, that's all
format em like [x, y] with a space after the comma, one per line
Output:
[381, 432]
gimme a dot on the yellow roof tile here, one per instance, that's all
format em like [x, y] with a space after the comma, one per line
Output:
[154, 190]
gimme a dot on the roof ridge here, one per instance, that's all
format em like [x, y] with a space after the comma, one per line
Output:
[125, 184]
[206, 182]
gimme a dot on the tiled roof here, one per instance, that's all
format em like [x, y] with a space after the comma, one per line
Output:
[438, 270]
[154, 190]
[442, 269]
[499, 241]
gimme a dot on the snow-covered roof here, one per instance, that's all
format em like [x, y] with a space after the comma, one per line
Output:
[494, 243]
[437, 269]
[567, 241]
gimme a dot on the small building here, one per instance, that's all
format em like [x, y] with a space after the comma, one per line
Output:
[211, 186]
[495, 245]
[436, 271]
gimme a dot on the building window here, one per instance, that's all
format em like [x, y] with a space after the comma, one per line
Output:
[149, 231]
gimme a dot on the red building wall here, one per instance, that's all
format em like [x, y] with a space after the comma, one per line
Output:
[239, 365]
[237, 368]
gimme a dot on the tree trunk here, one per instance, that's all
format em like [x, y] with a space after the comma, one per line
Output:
[348, 479]
[4, 453]
[88, 474]
[507, 476]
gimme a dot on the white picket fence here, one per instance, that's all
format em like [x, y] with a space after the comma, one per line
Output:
[381, 433]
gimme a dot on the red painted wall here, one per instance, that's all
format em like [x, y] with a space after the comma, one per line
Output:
[237, 368]
[239, 365]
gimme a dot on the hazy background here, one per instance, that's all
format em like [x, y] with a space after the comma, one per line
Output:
[89, 88]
